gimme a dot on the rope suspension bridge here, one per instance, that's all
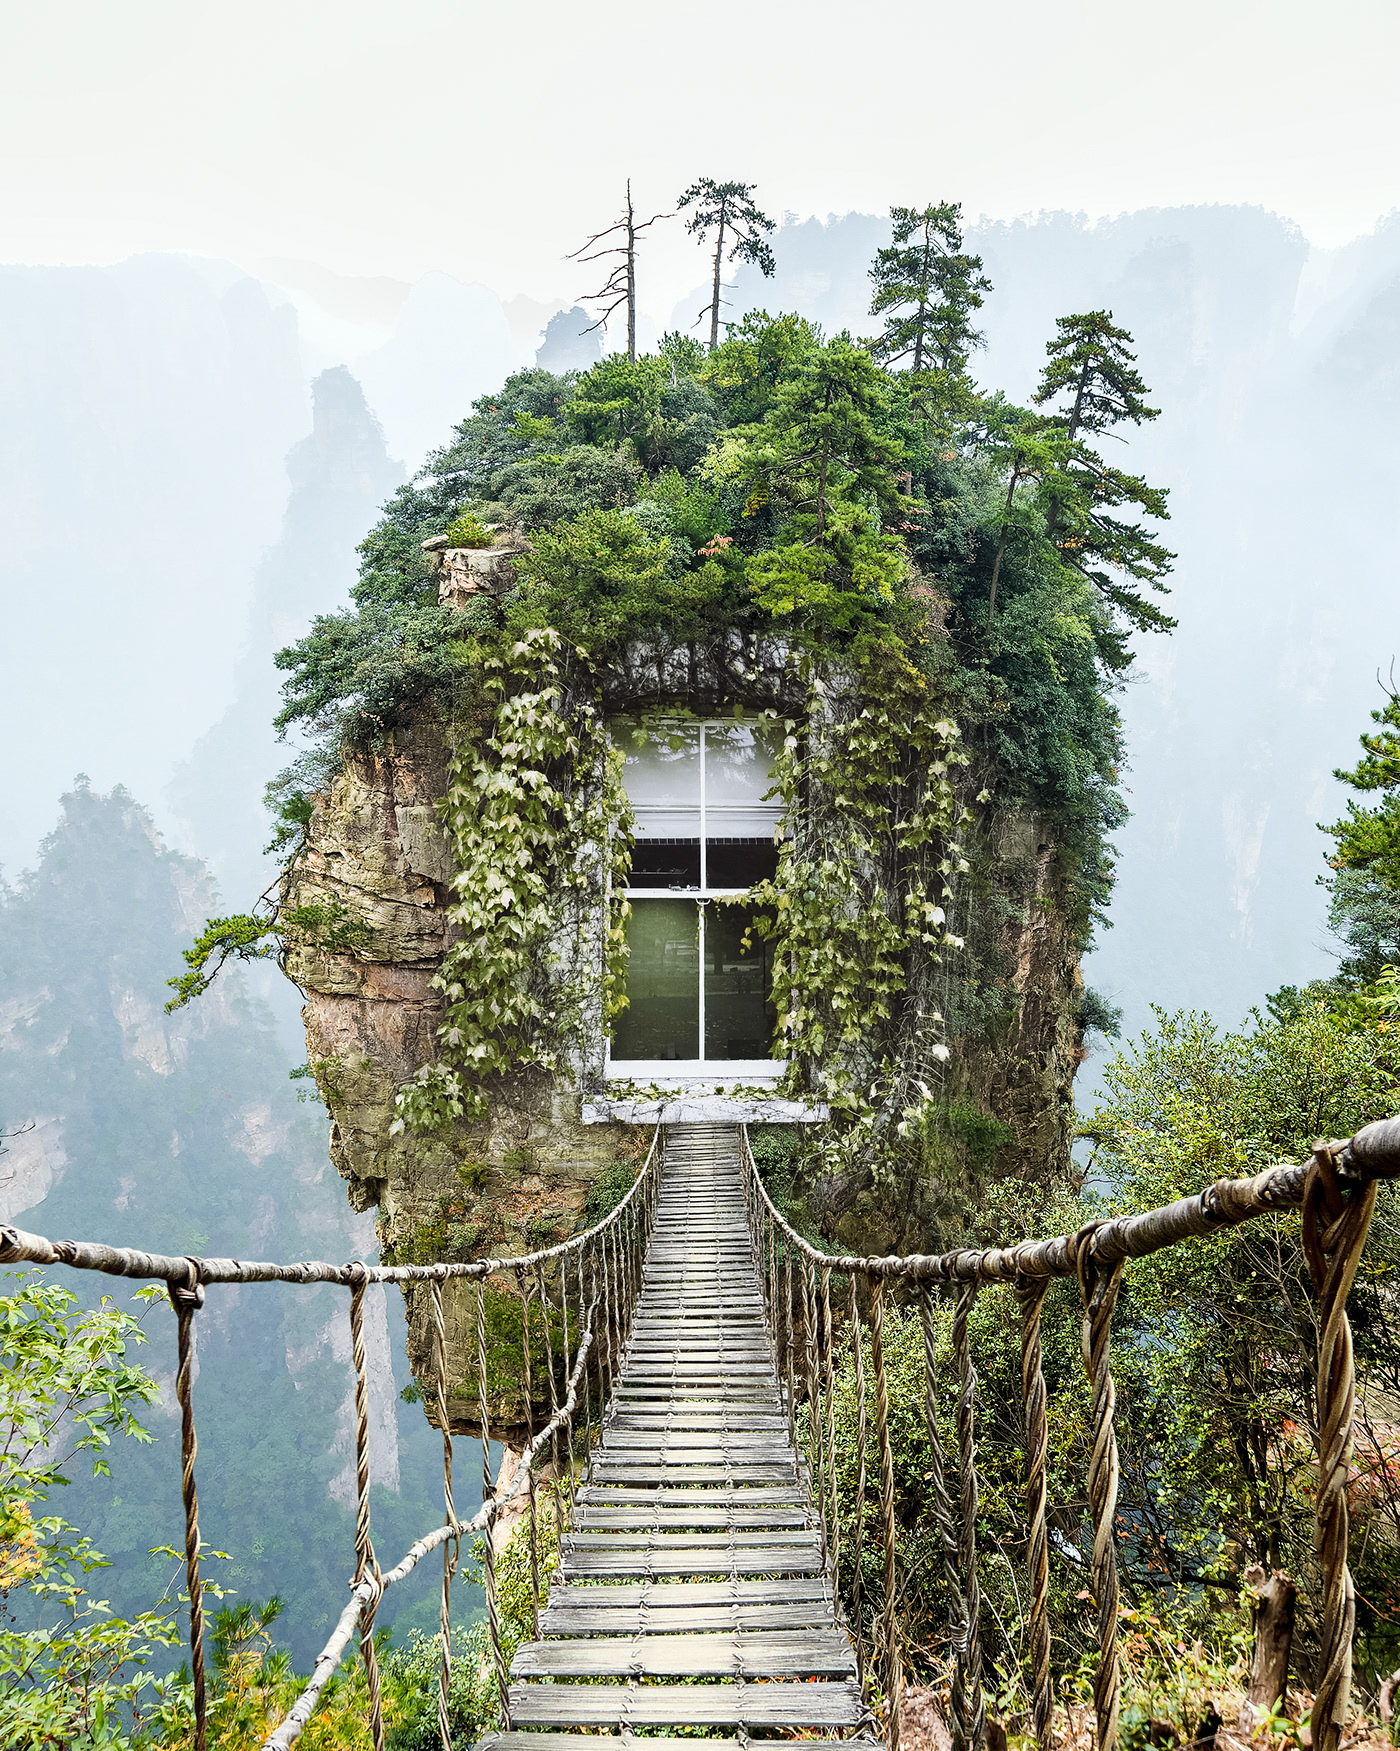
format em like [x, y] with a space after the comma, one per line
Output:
[676, 1372]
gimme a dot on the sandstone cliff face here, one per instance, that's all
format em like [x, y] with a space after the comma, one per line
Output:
[519, 1180]
[508, 1186]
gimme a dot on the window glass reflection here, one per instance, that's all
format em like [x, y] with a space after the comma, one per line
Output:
[662, 1018]
[738, 981]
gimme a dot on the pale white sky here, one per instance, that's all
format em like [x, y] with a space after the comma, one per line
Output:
[486, 140]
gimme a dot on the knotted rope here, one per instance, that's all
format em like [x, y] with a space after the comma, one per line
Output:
[451, 1548]
[1098, 1290]
[366, 1563]
[187, 1297]
[1336, 1219]
[1031, 1294]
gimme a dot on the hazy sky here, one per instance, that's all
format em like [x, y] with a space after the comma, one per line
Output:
[383, 140]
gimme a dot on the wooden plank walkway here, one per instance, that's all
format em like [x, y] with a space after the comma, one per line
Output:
[695, 1552]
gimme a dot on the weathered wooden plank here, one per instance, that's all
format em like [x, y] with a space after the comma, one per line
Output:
[611, 1538]
[778, 1704]
[570, 1742]
[630, 1519]
[655, 1560]
[757, 1654]
[573, 1620]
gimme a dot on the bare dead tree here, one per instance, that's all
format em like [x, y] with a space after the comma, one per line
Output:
[621, 284]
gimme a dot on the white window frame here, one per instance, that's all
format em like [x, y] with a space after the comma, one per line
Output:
[709, 1070]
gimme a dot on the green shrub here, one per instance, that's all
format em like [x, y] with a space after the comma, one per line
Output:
[468, 530]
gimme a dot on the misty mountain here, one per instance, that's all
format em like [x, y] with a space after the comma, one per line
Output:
[339, 476]
[184, 1135]
[1274, 367]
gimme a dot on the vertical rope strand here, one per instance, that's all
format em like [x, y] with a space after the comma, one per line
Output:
[529, 1386]
[187, 1299]
[894, 1671]
[858, 1539]
[829, 1382]
[366, 1563]
[942, 1507]
[1335, 1224]
[488, 1499]
[1030, 1291]
[451, 1549]
[1098, 1289]
[969, 1708]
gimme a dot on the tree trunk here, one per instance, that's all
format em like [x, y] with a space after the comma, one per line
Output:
[1273, 1636]
[631, 279]
[714, 306]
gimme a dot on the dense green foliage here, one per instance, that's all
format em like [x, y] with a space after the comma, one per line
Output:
[1215, 1346]
[961, 560]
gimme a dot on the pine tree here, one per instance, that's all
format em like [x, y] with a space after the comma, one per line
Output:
[728, 207]
[621, 284]
[931, 287]
[1092, 367]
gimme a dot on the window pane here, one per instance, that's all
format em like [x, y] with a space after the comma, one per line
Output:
[738, 1016]
[662, 776]
[740, 863]
[662, 1019]
[665, 863]
[738, 770]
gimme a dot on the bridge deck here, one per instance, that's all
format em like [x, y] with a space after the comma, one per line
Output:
[695, 1551]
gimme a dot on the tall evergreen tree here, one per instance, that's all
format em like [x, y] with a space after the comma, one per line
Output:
[1092, 371]
[727, 207]
[930, 288]
[620, 287]
[1368, 839]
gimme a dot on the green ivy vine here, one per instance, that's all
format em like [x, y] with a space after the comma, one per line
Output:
[858, 908]
[539, 822]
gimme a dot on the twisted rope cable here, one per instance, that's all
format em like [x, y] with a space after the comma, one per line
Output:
[1098, 1289]
[366, 1563]
[894, 1671]
[1335, 1223]
[451, 1547]
[969, 1707]
[489, 1508]
[942, 1507]
[187, 1297]
[1031, 1294]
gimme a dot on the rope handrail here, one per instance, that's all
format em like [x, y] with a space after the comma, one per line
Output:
[1336, 1191]
[596, 1272]
[19, 1247]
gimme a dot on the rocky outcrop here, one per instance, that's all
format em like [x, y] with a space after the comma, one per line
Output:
[514, 1183]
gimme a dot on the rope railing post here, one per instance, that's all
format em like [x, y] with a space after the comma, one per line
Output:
[366, 1563]
[1335, 1224]
[969, 1707]
[187, 1297]
[488, 1502]
[942, 1507]
[1030, 1292]
[1098, 1288]
[451, 1547]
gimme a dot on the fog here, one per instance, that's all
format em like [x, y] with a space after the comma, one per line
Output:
[191, 454]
